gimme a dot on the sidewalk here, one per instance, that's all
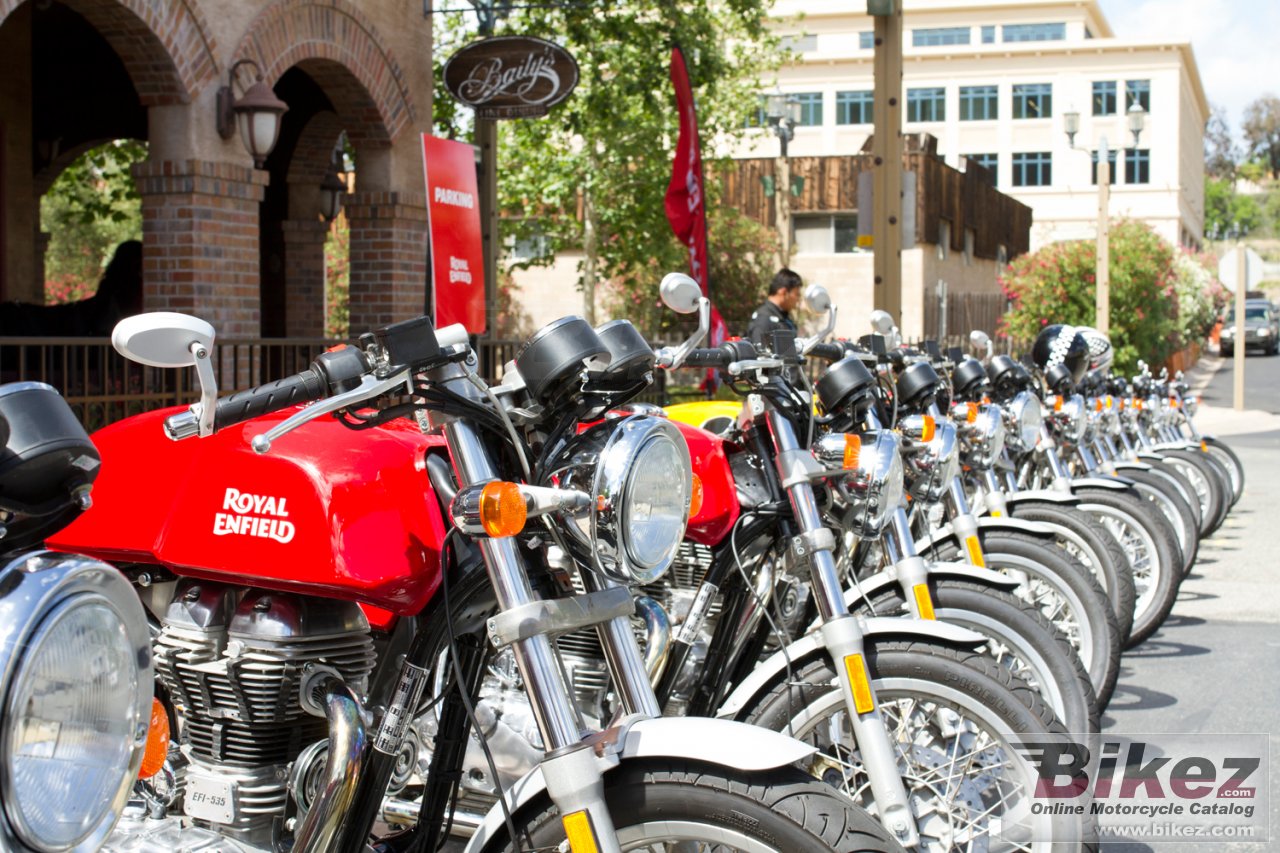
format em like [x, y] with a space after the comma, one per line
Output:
[1223, 421]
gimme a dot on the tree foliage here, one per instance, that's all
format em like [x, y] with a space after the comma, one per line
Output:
[593, 173]
[1224, 208]
[91, 208]
[1262, 131]
[1160, 299]
[1221, 154]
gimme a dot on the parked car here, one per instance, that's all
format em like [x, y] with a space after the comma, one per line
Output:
[1261, 327]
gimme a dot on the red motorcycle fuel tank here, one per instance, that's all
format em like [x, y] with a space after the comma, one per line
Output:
[328, 511]
[720, 510]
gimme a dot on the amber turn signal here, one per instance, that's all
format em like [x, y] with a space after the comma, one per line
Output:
[502, 509]
[929, 429]
[695, 496]
[153, 757]
[852, 450]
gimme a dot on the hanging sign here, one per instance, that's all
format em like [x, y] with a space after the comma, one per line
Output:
[457, 253]
[511, 76]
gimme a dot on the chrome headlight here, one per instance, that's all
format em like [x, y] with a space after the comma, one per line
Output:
[637, 472]
[1070, 417]
[1025, 416]
[866, 471]
[1190, 403]
[982, 432]
[75, 664]
[931, 456]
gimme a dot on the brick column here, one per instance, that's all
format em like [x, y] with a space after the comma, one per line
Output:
[388, 257]
[304, 277]
[200, 242]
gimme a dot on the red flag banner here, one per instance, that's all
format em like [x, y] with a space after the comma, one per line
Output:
[686, 201]
[457, 255]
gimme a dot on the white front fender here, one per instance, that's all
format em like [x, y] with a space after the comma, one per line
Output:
[723, 742]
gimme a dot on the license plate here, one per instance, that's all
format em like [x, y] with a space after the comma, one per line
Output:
[210, 799]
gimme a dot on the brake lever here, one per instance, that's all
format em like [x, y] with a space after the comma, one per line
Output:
[369, 387]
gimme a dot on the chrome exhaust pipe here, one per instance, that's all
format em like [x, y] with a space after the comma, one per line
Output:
[657, 625]
[323, 820]
[398, 812]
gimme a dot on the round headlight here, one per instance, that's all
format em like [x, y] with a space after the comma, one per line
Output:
[870, 481]
[933, 465]
[1026, 417]
[637, 472]
[77, 686]
[1074, 420]
[990, 430]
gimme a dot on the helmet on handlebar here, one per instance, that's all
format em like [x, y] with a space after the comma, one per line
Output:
[1061, 344]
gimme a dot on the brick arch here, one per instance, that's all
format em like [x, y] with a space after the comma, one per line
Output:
[166, 48]
[311, 156]
[334, 43]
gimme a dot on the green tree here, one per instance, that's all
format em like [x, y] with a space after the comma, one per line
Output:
[1057, 284]
[91, 208]
[1220, 151]
[1224, 207]
[1262, 131]
[593, 173]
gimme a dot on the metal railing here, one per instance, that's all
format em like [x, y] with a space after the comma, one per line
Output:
[103, 387]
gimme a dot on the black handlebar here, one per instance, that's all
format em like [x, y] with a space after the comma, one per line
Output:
[829, 352]
[243, 406]
[709, 357]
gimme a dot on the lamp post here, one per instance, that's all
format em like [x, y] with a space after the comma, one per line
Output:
[783, 113]
[1136, 117]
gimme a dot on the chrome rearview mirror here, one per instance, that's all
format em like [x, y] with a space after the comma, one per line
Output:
[882, 322]
[816, 299]
[169, 339]
[980, 341]
[680, 293]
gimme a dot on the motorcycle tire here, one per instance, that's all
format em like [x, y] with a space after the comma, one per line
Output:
[1224, 454]
[1083, 536]
[1065, 591]
[1157, 489]
[656, 801]
[1020, 639]
[916, 683]
[1217, 481]
[1151, 548]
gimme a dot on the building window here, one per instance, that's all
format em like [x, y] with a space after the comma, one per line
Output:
[1093, 166]
[1137, 165]
[1033, 169]
[810, 108]
[990, 162]
[978, 103]
[1035, 32]
[927, 104]
[1104, 97]
[989, 34]
[970, 240]
[800, 44]
[1137, 92]
[867, 40]
[853, 107]
[944, 239]
[1033, 100]
[825, 234]
[938, 36]
[1088, 33]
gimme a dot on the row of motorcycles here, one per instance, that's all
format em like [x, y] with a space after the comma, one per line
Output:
[384, 605]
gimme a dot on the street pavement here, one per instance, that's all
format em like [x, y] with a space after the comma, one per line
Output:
[1214, 666]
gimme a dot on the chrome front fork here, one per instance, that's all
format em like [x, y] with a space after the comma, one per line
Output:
[842, 635]
[573, 773]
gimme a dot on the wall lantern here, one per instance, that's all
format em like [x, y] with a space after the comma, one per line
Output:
[257, 113]
[332, 190]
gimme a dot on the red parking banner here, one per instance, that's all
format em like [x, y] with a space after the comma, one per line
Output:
[457, 251]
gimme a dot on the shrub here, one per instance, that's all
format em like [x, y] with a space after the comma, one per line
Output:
[1056, 285]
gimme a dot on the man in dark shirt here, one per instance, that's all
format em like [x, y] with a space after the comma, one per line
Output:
[774, 315]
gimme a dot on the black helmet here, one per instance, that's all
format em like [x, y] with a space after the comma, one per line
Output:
[1060, 344]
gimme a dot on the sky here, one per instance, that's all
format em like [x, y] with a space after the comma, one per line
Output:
[1234, 43]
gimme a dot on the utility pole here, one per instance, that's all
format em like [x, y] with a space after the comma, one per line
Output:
[1242, 285]
[1102, 295]
[886, 153]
